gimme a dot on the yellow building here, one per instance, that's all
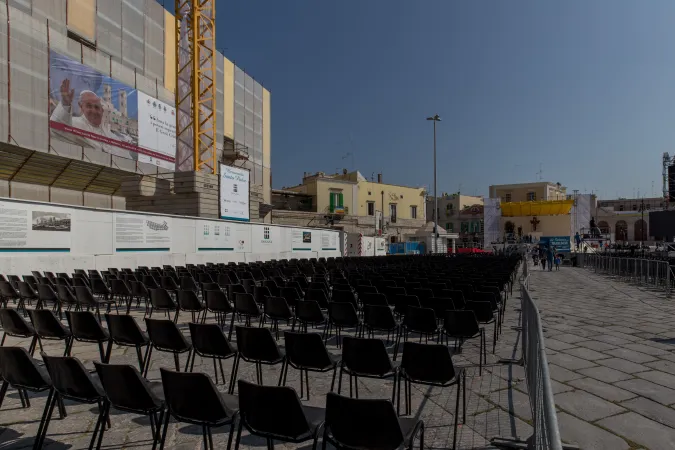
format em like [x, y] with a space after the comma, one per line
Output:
[527, 192]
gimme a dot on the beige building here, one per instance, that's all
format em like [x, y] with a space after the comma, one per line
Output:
[351, 202]
[528, 192]
[623, 219]
[457, 213]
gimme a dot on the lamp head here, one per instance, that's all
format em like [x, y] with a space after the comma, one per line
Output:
[435, 118]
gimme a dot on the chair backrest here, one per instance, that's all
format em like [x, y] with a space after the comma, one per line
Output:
[7, 290]
[119, 287]
[216, 300]
[126, 389]
[277, 307]
[165, 335]
[245, 304]
[260, 408]
[83, 325]
[261, 293]
[46, 293]
[420, 320]
[461, 323]
[13, 324]
[483, 310]
[193, 397]
[124, 328]
[161, 299]
[343, 314]
[84, 295]
[366, 356]
[319, 296]
[47, 324]
[98, 286]
[188, 283]
[72, 380]
[257, 344]
[26, 290]
[208, 339]
[379, 317]
[306, 350]
[309, 311]
[363, 423]
[20, 370]
[427, 363]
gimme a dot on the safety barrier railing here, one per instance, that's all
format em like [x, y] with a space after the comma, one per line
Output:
[640, 271]
[546, 434]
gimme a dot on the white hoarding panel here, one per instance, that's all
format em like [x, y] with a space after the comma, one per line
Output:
[222, 236]
[329, 241]
[34, 228]
[156, 130]
[234, 193]
[303, 240]
[90, 109]
[138, 233]
[268, 239]
[380, 249]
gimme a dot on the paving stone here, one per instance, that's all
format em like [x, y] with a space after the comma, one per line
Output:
[648, 389]
[663, 366]
[652, 410]
[602, 390]
[595, 345]
[587, 436]
[641, 430]
[512, 400]
[561, 374]
[623, 365]
[558, 387]
[586, 406]
[569, 362]
[646, 349]
[606, 374]
[612, 340]
[498, 422]
[631, 355]
[570, 338]
[586, 353]
[557, 345]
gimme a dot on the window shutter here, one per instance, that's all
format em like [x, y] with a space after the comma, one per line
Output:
[340, 200]
[332, 202]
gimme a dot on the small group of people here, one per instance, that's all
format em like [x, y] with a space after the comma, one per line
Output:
[543, 254]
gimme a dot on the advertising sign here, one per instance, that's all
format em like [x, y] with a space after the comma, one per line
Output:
[234, 193]
[221, 236]
[34, 228]
[93, 110]
[138, 233]
[301, 240]
[267, 239]
[561, 243]
[329, 241]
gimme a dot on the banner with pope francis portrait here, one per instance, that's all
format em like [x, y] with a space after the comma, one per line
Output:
[90, 109]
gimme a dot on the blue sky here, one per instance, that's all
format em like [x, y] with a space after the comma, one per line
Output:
[586, 90]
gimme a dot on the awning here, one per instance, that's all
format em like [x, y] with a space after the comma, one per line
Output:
[536, 208]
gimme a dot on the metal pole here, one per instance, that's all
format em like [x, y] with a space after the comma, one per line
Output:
[435, 247]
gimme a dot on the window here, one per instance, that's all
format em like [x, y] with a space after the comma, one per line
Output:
[647, 206]
[449, 227]
[336, 201]
[507, 198]
[635, 208]
[413, 212]
[392, 212]
[371, 208]
[620, 207]
[531, 196]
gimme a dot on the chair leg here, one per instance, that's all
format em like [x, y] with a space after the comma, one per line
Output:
[148, 354]
[339, 381]
[176, 361]
[306, 382]
[233, 377]
[166, 427]
[139, 355]
[464, 395]
[208, 433]
[102, 352]
[103, 414]
[3, 391]
[2, 342]
[229, 336]
[158, 429]
[49, 409]
[398, 398]
[229, 439]
[454, 438]
[41, 428]
[215, 370]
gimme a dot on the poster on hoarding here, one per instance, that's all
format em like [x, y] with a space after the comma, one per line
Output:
[301, 240]
[329, 241]
[234, 193]
[561, 243]
[140, 233]
[93, 110]
[267, 239]
[212, 236]
[34, 228]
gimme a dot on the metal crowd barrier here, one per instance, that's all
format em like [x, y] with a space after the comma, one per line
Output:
[640, 271]
[546, 434]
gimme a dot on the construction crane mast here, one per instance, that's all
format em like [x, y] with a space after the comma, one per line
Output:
[196, 86]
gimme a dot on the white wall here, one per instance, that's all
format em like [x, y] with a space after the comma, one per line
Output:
[101, 238]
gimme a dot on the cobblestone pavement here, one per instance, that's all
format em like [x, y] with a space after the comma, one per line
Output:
[496, 405]
[610, 348]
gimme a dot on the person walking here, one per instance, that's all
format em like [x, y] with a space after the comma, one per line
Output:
[542, 258]
[577, 239]
[549, 256]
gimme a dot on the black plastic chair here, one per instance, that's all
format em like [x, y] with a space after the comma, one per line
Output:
[8, 292]
[277, 309]
[22, 372]
[341, 316]
[124, 331]
[120, 292]
[126, 390]
[366, 358]
[161, 300]
[291, 295]
[430, 365]
[85, 328]
[189, 302]
[259, 408]
[46, 294]
[309, 313]
[47, 326]
[344, 297]
[374, 299]
[208, 341]
[86, 299]
[307, 352]
[319, 296]
[257, 345]
[217, 303]
[71, 381]
[462, 325]
[139, 292]
[485, 315]
[380, 318]
[27, 294]
[66, 297]
[368, 424]
[245, 305]
[165, 337]
[193, 398]
[15, 325]
[422, 321]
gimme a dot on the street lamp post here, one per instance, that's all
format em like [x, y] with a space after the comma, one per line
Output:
[434, 119]
[642, 226]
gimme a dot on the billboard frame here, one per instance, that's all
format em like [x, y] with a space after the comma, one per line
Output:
[220, 194]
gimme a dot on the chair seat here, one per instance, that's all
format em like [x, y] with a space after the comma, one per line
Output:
[231, 403]
[94, 338]
[123, 341]
[157, 389]
[315, 416]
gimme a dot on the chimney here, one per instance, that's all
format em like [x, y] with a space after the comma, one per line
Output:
[379, 178]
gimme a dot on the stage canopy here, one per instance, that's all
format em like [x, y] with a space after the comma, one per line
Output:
[536, 208]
